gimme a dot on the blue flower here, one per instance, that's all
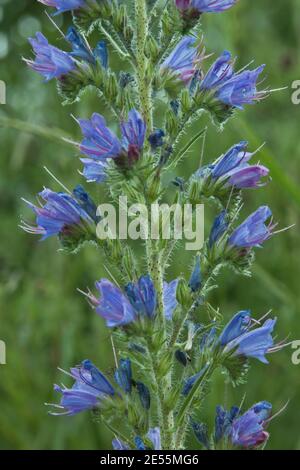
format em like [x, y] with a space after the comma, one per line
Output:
[253, 231]
[170, 301]
[238, 338]
[89, 390]
[50, 62]
[219, 227]
[190, 381]
[241, 89]
[113, 306]
[79, 45]
[156, 139]
[238, 325]
[183, 59]
[142, 296]
[255, 343]
[232, 89]
[64, 5]
[139, 300]
[144, 395]
[154, 436]
[204, 6]
[223, 422]
[195, 281]
[123, 375]
[101, 144]
[248, 430]
[139, 443]
[117, 444]
[61, 215]
[219, 72]
[201, 433]
[101, 53]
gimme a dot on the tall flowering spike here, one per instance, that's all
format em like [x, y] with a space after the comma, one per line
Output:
[88, 391]
[123, 375]
[238, 325]
[154, 436]
[61, 215]
[99, 141]
[248, 430]
[183, 59]
[64, 5]
[113, 305]
[255, 343]
[79, 45]
[219, 227]
[253, 231]
[203, 6]
[50, 61]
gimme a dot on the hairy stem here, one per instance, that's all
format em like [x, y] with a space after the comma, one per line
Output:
[144, 84]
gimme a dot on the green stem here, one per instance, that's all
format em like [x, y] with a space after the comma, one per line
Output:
[144, 84]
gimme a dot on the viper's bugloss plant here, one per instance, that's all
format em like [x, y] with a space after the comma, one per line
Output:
[168, 339]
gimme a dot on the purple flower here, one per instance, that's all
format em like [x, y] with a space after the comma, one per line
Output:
[61, 215]
[219, 72]
[232, 89]
[79, 45]
[133, 131]
[50, 61]
[113, 306]
[94, 170]
[253, 231]
[248, 430]
[241, 89]
[204, 6]
[63, 5]
[223, 421]
[154, 436]
[183, 59]
[90, 388]
[254, 343]
[101, 144]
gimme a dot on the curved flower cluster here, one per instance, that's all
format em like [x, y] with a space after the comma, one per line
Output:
[71, 217]
[139, 301]
[232, 88]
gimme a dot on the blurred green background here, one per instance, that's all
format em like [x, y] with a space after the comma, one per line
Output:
[44, 321]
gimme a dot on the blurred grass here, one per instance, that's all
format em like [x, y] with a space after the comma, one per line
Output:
[44, 322]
